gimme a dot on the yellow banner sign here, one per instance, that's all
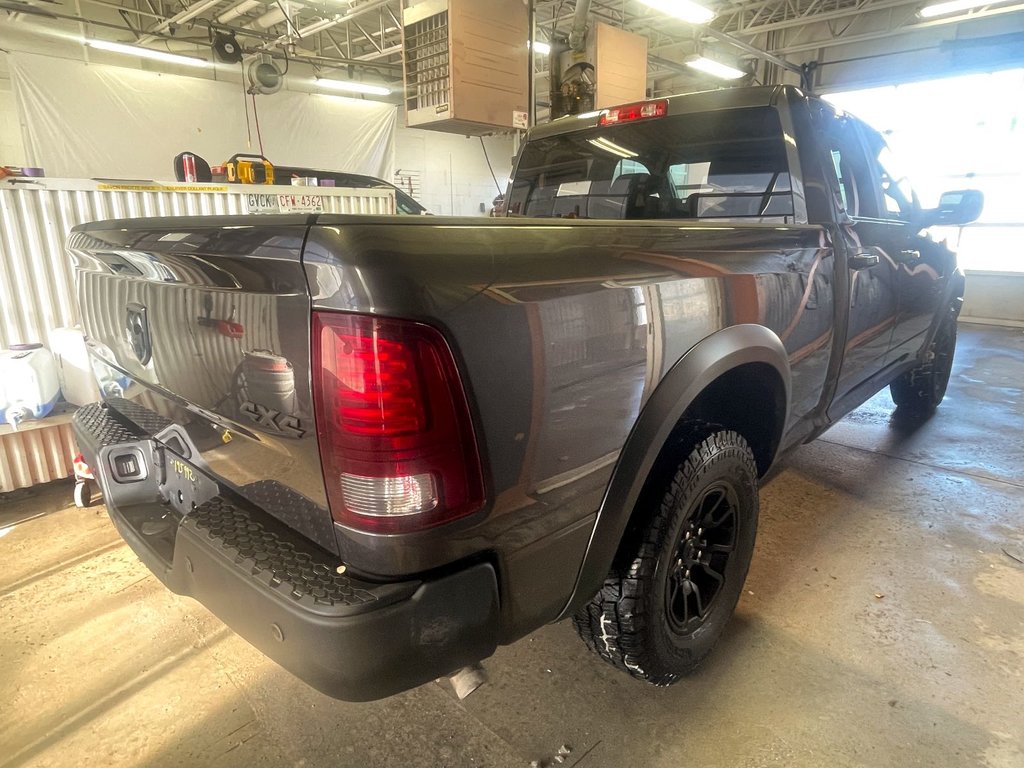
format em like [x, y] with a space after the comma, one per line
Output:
[160, 188]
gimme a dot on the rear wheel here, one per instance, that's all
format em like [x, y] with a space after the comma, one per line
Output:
[661, 611]
[918, 392]
[83, 493]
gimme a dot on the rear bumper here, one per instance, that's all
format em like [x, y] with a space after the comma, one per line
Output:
[350, 638]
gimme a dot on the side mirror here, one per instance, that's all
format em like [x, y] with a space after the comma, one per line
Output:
[955, 209]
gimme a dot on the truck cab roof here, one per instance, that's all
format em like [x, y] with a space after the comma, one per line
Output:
[682, 104]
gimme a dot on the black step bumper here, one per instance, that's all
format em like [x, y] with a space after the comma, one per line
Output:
[353, 639]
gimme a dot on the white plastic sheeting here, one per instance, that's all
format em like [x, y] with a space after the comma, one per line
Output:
[91, 120]
[36, 285]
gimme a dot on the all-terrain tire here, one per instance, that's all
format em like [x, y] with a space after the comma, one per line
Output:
[918, 392]
[647, 619]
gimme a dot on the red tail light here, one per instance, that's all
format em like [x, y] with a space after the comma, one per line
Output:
[630, 112]
[396, 438]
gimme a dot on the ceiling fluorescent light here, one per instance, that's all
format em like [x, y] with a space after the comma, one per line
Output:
[148, 53]
[610, 146]
[687, 10]
[352, 86]
[613, 147]
[953, 6]
[714, 68]
[539, 47]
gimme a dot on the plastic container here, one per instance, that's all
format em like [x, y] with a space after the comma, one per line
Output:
[29, 386]
[270, 381]
[74, 371]
[112, 383]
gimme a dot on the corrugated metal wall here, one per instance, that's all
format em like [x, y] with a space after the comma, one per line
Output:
[215, 356]
[37, 289]
[35, 456]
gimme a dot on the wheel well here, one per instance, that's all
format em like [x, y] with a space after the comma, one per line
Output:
[749, 399]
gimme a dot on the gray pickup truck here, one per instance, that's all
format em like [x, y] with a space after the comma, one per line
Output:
[379, 447]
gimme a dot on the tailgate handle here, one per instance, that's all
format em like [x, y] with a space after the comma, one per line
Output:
[862, 259]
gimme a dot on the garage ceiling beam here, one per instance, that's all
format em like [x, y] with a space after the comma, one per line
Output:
[656, 27]
[760, 53]
[369, 38]
[182, 17]
[354, 12]
[118, 7]
[305, 56]
[386, 52]
[897, 31]
[753, 28]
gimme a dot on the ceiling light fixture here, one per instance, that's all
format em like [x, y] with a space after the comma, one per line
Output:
[953, 6]
[148, 53]
[610, 146]
[539, 47]
[687, 10]
[714, 68]
[352, 86]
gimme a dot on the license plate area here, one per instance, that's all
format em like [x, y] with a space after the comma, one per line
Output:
[184, 487]
[152, 488]
[147, 471]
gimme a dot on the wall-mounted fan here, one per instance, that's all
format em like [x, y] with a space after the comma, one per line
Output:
[263, 75]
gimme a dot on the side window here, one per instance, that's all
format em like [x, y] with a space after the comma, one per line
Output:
[846, 196]
[897, 193]
[852, 180]
[687, 178]
[625, 167]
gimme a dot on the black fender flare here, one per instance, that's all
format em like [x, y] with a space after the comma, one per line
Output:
[704, 363]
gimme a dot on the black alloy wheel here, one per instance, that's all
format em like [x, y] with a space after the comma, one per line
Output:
[702, 555]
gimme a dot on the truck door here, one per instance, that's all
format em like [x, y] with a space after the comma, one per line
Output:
[865, 238]
[922, 264]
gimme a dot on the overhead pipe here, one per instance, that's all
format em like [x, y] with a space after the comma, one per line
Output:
[380, 54]
[760, 53]
[578, 34]
[276, 15]
[118, 7]
[197, 9]
[313, 27]
[237, 10]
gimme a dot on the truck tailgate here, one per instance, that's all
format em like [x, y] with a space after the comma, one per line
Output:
[200, 333]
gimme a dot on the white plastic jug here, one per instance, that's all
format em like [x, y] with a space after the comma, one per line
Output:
[74, 370]
[29, 387]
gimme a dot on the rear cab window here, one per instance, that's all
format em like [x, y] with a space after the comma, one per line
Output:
[725, 165]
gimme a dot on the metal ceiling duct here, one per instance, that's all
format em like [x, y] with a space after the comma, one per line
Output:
[275, 16]
[240, 9]
[578, 34]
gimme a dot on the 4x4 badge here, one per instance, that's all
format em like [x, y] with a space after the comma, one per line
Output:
[273, 420]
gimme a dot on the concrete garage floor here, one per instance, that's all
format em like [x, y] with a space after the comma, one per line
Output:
[883, 625]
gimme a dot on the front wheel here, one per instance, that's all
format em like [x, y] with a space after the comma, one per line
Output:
[661, 611]
[918, 392]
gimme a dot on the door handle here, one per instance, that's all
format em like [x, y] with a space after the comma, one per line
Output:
[862, 259]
